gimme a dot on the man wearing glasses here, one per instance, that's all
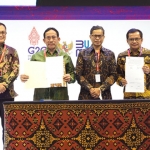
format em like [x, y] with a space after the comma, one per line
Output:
[9, 69]
[51, 39]
[134, 40]
[96, 68]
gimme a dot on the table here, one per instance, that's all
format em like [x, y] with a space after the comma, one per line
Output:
[77, 125]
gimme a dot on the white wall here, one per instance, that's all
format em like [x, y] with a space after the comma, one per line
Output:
[71, 30]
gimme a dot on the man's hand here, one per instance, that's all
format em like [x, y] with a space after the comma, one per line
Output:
[24, 77]
[95, 92]
[2, 88]
[67, 77]
[146, 69]
[123, 81]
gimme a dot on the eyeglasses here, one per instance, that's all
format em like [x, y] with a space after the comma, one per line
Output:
[97, 36]
[134, 39]
[3, 32]
[51, 37]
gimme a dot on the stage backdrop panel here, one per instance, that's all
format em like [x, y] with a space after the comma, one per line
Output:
[25, 27]
[77, 125]
[72, 32]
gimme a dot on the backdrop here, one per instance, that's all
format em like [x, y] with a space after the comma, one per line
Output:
[27, 37]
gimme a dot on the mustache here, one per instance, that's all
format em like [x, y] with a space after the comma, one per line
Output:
[51, 43]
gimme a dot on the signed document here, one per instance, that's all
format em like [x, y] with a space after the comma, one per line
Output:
[134, 74]
[45, 74]
[55, 70]
[37, 74]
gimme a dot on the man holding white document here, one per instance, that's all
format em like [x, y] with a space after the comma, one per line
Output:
[133, 67]
[58, 66]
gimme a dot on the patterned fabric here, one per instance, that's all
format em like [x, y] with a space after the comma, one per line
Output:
[10, 71]
[86, 70]
[121, 60]
[55, 93]
[77, 125]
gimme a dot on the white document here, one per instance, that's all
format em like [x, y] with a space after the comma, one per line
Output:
[45, 74]
[134, 74]
[55, 70]
[37, 74]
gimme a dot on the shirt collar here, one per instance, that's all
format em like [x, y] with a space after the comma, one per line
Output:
[1, 48]
[139, 50]
[90, 49]
[56, 52]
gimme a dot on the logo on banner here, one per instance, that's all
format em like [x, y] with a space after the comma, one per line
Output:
[34, 38]
[81, 44]
[66, 47]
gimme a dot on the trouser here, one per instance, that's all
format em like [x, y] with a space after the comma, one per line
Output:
[2, 114]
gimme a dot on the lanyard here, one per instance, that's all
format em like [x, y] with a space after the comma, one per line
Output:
[139, 54]
[97, 60]
[3, 52]
[45, 53]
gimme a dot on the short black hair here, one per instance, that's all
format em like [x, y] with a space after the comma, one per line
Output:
[96, 28]
[133, 30]
[51, 28]
[2, 24]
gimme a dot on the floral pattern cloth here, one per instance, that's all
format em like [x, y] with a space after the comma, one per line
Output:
[86, 70]
[121, 60]
[9, 67]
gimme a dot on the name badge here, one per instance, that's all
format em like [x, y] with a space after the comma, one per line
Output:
[97, 77]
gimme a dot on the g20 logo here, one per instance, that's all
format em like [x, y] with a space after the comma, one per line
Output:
[81, 44]
[33, 50]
